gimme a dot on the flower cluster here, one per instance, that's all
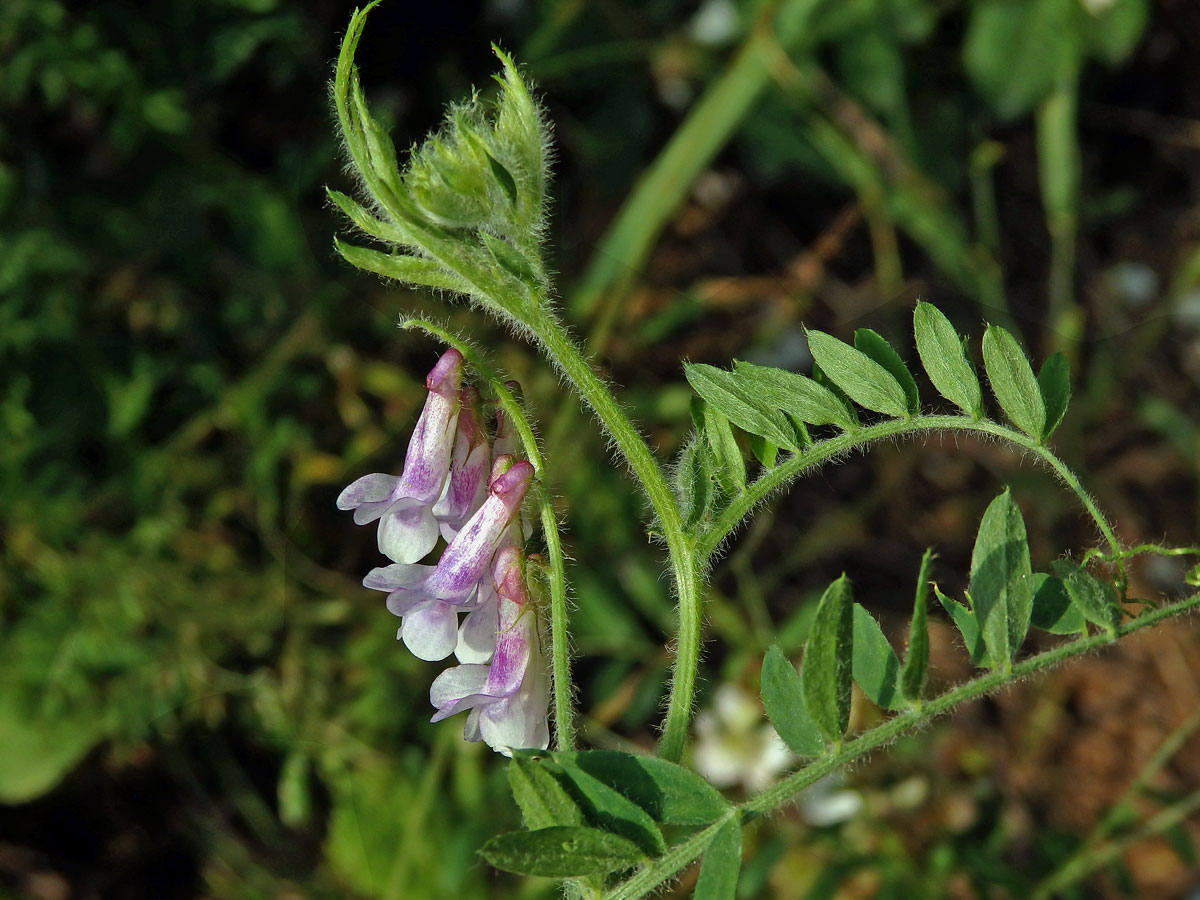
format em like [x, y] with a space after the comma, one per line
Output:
[465, 486]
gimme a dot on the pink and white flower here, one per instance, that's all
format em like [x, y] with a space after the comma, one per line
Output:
[408, 528]
[509, 696]
[428, 598]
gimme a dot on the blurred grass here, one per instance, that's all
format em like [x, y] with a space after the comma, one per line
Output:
[189, 378]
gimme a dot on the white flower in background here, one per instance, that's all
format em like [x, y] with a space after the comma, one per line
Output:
[734, 745]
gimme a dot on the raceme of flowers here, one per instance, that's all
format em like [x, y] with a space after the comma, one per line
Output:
[466, 487]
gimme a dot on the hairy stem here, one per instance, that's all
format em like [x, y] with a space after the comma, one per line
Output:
[823, 451]
[595, 393]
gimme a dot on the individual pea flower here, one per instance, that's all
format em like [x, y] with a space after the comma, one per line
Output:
[508, 697]
[467, 481]
[428, 598]
[404, 504]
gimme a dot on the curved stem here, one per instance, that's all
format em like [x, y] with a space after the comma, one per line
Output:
[729, 519]
[595, 393]
[664, 868]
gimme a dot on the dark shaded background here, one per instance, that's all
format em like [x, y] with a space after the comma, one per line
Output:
[197, 699]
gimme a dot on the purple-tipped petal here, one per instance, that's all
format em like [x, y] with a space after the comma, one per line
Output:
[427, 461]
[404, 585]
[430, 630]
[467, 558]
[407, 531]
[465, 492]
[453, 690]
[374, 488]
[398, 576]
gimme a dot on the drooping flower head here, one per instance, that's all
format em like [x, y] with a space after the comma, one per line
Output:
[509, 696]
[428, 598]
[404, 504]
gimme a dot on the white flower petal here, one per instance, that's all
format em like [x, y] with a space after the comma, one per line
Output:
[407, 531]
[372, 488]
[477, 635]
[430, 630]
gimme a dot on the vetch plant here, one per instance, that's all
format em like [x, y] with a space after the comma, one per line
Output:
[465, 215]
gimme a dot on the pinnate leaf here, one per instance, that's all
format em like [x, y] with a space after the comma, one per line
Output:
[1012, 381]
[783, 697]
[865, 381]
[826, 670]
[872, 344]
[561, 851]
[875, 664]
[1001, 587]
[721, 864]
[945, 359]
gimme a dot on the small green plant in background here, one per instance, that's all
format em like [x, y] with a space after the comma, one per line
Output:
[465, 216]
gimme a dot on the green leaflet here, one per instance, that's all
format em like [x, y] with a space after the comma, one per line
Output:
[1012, 381]
[872, 344]
[1052, 607]
[694, 482]
[668, 793]
[731, 396]
[875, 664]
[1054, 383]
[401, 266]
[721, 864]
[728, 465]
[510, 259]
[916, 662]
[865, 381]
[542, 800]
[607, 808]
[561, 851]
[1096, 600]
[945, 360]
[826, 670]
[1001, 587]
[783, 697]
[796, 395]
[764, 451]
[967, 625]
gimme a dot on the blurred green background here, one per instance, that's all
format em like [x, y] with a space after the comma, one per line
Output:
[197, 698]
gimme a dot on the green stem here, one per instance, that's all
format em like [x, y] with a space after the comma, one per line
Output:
[823, 451]
[666, 867]
[563, 351]
[972, 690]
